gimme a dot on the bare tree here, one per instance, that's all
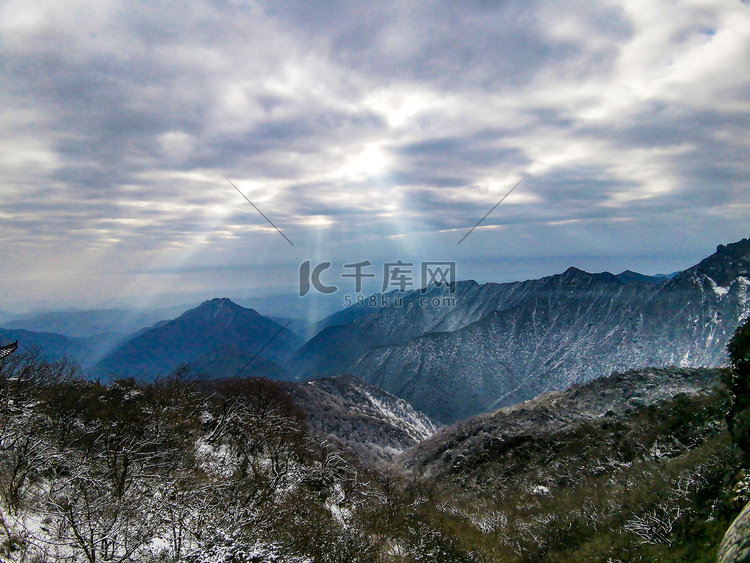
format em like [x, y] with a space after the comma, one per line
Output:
[655, 526]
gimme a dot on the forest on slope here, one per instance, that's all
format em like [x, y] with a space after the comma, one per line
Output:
[200, 471]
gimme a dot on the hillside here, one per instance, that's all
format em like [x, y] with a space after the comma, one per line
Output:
[637, 466]
[603, 400]
[632, 467]
[366, 420]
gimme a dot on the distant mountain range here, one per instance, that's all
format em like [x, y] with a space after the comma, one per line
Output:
[93, 322]
[218, 338]
[478, 348]
[86, 351]
[505, 343]
[629, 276]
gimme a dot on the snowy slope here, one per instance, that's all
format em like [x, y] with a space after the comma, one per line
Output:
[369, 421]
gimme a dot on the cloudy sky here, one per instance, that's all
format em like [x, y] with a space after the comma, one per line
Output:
[365, 131]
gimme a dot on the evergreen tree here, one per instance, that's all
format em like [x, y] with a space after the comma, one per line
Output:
[739, 416]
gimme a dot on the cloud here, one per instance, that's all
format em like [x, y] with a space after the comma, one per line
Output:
[380, 128]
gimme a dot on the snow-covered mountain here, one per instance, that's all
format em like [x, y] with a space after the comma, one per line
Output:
[367, 420]
[505, 343]
[605, 400]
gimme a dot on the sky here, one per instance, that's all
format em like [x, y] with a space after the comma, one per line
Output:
[376, 131]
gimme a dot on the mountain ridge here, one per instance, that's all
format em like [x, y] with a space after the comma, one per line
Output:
[505, 343]
[554, 411]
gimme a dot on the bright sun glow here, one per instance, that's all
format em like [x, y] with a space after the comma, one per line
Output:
[370, 162]
[319, 221]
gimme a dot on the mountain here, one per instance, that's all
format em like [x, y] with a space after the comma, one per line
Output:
[629, 276]
[374, 424]
[636, 466]
[217, 338]
[499, 344]
[604, 399]
[722, 268]
[86, 351]
[87, 323]
[290, 305]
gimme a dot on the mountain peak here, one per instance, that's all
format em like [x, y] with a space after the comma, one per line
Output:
[629, 276]
[573, 271]
[220, 302]
[725, 265]
[220, 307]
[216, 338]
[576, 275]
